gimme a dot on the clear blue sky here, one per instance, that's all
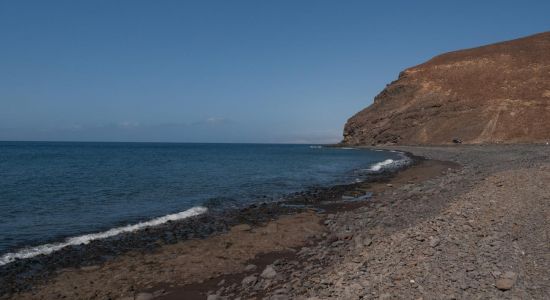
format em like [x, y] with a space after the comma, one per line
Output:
[223, 71]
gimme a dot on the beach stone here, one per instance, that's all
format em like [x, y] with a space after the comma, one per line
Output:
[249, 280]
[250, 268]
[144, 296]
[506, 281]
[419, 238]
[434, 241]
[504, 284]
[242, 227]
[279, 297]
[269, 273]
[469, 267]
[89, 268]
[280, 291]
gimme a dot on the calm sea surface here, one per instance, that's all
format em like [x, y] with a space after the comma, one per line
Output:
[51, 191]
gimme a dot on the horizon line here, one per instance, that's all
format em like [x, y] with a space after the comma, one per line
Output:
[152, 142]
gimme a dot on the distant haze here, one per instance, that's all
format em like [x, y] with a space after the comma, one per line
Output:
[223, 71]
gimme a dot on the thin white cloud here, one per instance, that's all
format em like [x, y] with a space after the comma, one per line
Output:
[128, 124]
[212, 121]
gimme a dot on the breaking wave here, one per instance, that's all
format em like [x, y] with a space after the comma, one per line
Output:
[390, 164]
[378, 166]
[87, 238]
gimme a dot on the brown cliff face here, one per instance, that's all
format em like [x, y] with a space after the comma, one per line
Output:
[498, 93]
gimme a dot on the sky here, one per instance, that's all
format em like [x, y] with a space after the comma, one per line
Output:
[223, 71]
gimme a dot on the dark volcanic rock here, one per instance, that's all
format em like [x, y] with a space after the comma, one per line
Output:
[498, 93]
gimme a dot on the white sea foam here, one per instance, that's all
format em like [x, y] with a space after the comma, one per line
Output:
[378, 166]
[87, 238]
[390, 163]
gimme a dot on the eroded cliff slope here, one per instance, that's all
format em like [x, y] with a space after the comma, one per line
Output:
[498, 93]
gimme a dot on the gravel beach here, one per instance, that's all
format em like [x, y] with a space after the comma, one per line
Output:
[469, 222]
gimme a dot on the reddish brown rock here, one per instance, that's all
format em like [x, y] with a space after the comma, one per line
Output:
[498, 93]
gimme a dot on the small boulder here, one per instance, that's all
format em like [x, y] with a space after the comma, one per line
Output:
[434, 241]
[144, 296]
[213, 297]
[506, 281]
[504, 284]
[250, 268]
[249, 280]
[269, 273]
[89, 268]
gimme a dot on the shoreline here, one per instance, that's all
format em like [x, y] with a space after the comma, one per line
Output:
[467, 222]
[420, 170]
[23, 274]
[47, 247]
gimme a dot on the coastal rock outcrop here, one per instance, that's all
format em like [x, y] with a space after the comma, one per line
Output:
[498, 93]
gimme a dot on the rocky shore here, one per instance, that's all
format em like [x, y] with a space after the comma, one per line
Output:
[21, 276]
[469, 222]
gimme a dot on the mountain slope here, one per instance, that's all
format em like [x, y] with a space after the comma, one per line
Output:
[498, 93]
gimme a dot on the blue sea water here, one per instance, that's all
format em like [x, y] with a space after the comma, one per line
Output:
[52, 191]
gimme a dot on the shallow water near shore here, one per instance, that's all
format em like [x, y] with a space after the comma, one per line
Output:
[70, 193]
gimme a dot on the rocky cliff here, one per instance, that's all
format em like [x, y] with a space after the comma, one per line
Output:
[498, 93]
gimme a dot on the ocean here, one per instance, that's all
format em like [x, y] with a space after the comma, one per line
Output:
[54, 194]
